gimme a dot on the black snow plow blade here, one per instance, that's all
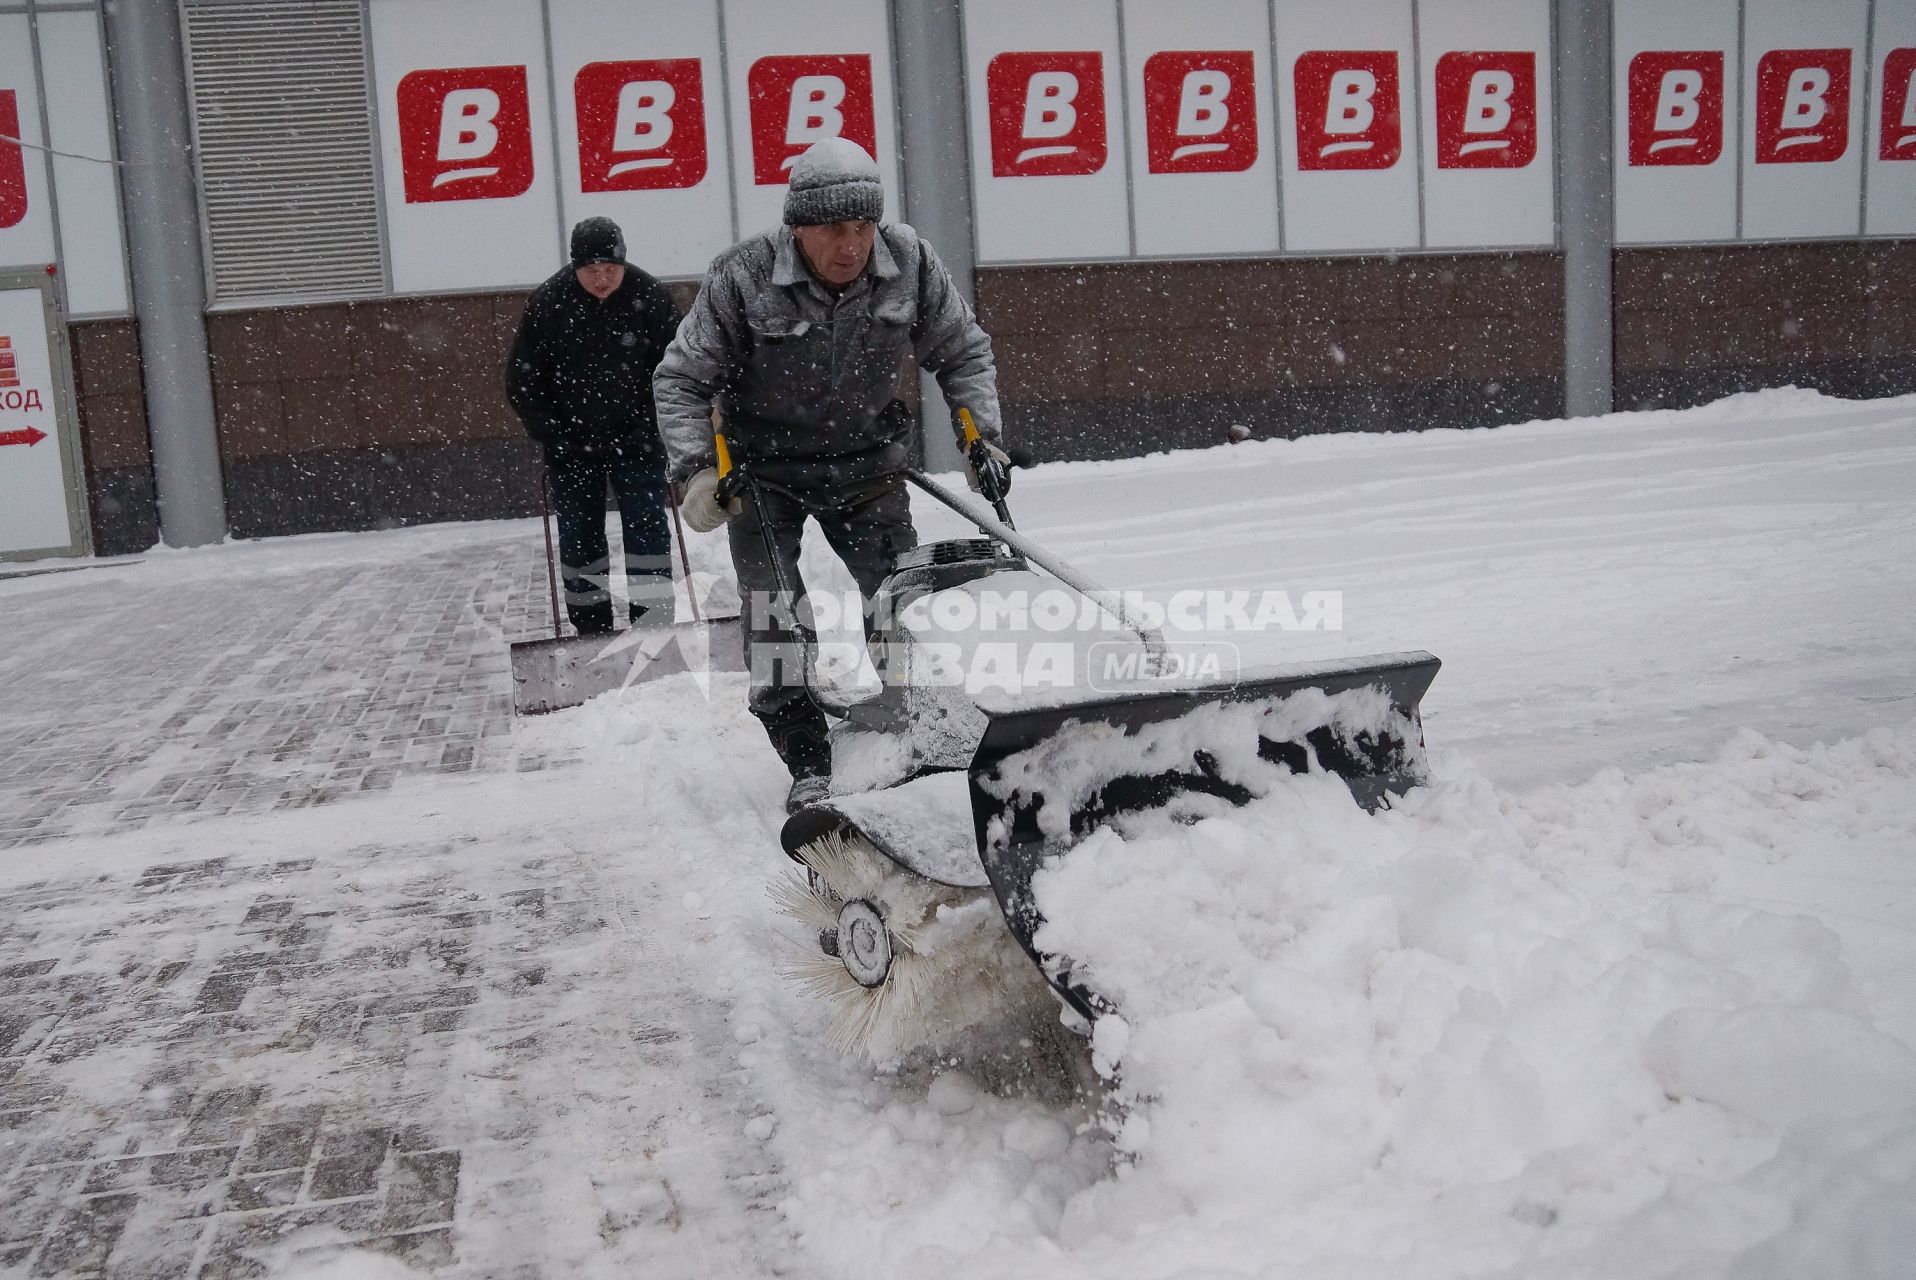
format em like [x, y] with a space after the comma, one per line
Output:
[1044, 777]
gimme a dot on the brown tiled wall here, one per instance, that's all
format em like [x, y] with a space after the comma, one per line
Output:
[355, 376]
[1694, 324]
[119, 463]
[1109, 360]
[366, 414]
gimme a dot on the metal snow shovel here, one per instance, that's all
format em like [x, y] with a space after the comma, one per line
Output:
[563, 671]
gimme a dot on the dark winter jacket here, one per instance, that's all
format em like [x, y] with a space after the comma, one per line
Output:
[809, 381]
[580, 374]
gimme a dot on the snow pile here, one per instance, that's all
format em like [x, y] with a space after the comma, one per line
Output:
[1524, 1034]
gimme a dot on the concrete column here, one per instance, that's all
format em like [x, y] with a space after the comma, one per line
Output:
[1585, 194]
[146, 57]
[929, 73]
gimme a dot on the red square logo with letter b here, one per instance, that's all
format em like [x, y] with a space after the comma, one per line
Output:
[1046, 113]
[1802, 106]
[1486, 110]
[796, 101]
[13, 164]
[1899, 105]
[1200, 113]
[1676, 107]
[641, 125]
[1347, 112]
[465, 133]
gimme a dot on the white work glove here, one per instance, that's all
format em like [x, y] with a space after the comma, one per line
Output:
[699, 503]
[988, 470]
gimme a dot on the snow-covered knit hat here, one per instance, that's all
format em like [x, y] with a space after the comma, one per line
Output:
[597, 240]
[834, 181]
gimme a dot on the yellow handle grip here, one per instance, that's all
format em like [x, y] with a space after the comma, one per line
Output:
[724, 454]
[971, 428]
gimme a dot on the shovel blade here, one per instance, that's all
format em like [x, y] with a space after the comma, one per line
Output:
[556, 673]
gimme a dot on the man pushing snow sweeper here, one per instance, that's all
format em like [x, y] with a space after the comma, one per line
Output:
[798, 335]
[923, 813]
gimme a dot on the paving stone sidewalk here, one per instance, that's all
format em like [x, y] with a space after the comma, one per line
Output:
[243, 1059]
[223, 1069]
[131, 697]
[200, 1176]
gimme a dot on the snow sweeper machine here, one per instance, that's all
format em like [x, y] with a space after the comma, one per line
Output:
[915, 876]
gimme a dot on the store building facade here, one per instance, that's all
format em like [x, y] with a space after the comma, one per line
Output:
[287, 240]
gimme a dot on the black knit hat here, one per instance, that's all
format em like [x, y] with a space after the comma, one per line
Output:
[597, 240]
[834, 181]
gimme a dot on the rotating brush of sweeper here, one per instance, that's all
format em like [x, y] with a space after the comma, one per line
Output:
[900, 962]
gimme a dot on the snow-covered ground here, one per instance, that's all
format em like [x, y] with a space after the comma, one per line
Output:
[1628, 990]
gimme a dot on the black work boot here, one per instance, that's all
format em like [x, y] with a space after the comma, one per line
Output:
[807, 789]
[799, 735]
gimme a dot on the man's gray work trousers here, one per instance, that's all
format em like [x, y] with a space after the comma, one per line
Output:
[868, 534]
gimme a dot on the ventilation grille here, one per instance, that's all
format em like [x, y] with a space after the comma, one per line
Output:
[282, 118]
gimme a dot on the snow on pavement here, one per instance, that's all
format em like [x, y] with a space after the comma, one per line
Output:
[1528, 1033]
[1626, 991]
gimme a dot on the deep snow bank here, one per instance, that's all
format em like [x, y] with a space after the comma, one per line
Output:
[1485, 1033]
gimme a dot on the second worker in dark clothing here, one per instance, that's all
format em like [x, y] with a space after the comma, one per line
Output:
[580, 378]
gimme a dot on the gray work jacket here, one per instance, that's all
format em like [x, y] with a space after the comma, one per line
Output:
[809, 382]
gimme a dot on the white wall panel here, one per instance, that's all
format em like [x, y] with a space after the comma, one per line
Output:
[1203, 159]
[1677, 118]
[1803, 86]
[652, 154]
[26, 211]
[800, 72]
[466, 144]
[79, 117]
[1347, 124]
[1889, 141]
[1047, 152]
[1488, 164]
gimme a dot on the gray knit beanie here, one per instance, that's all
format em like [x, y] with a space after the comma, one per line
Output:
[834, 181]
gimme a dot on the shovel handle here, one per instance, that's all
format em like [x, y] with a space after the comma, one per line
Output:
[1110, 601]
[545, 526]
[685, 560]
